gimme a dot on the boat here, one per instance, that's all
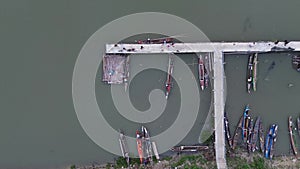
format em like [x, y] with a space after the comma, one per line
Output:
[249, 137]
[274, 138]
[201, 72]
[139, 141]
[261, 137]
[124, 147]
[148, 153]
[206, 72]
[189, 148]
[169, 76]
[245, 124]
[237, 135]
[268, 142]
[227, 130]
[255, 62]
[296, 62]
[292, 141]
[126, 76]
[156, 40]
[254, 135]
[250, 73]
[298, 125]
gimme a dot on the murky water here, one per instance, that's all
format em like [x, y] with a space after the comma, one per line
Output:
[40, 42]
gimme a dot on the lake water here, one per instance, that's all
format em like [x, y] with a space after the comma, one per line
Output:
[40, 42]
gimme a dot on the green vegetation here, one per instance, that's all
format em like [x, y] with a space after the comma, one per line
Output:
[73, 167]
[121, 162]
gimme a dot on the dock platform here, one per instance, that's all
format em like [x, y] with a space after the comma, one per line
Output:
[217, 49]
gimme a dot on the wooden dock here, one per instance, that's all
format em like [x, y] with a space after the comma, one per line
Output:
[218, 49]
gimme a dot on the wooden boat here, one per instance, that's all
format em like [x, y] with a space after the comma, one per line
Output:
[189, 148]
[126, 76]
[274, 138]
[292, 141]
[268, 142]
[298, 125]
[124, 147]
[201, 73]
[254, 134]
[139, 141]
[250, 73]
[296, 62]
[156, 41]
[255, 62]
[261, 137]
[245, 124]
[237, 135]
[249, 137]
[227, 130]
[169, 76]
[148, 153]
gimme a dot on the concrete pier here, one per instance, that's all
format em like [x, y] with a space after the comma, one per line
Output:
[217, 49]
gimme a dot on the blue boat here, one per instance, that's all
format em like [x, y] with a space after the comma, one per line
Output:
[245, 124]
[270, 141]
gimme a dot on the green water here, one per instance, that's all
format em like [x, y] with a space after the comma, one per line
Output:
[40, 41]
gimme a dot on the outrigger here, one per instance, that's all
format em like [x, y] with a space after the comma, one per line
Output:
[250, 73]
[227, 130]
[201, 72]
[169, 76]
[255, 62]
[124, 147]
[292, 137]
[148, 154]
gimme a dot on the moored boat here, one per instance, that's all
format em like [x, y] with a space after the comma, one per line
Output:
[298, 125]
[249, 73]
[245, 124]
[237, 135]
[269, 142]
[274, 138]
[261, 137]
[255, 62]
[156, 40]
[292, 141]
[249, 137]
[201, 73]
[169, 76]
[227, 130]
[189, 148]
[254, 134]
[139, 141]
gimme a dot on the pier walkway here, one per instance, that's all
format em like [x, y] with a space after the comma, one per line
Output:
[218, 49]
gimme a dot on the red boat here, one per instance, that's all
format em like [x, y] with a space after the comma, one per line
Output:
[169, 77]
[139, 142]
[201, 72]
